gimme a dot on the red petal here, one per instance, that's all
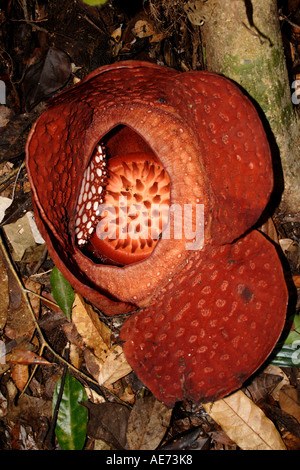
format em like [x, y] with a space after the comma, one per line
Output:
[234, 151]
[213, 325]
[203, 130]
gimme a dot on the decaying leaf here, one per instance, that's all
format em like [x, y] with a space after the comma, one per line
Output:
[275, 370]
[189, 440]
[108, 421]
[197, 12]
[144, 29]
[95, 334]
[262, 385]
[289, 401]
[19, 321]
[22, 356]
[20, 375]
[296, 280]
[269, 229]
[22, 437]
[20, 236]
[116, 35]
[46, 76]
[28, 407]
[5, 202]
[16, 210]
[291, 249]
[147, 424]
[245, 423]
[4, 295]
[106, 362]
[109, 370]
[114, 367]
[3, 405]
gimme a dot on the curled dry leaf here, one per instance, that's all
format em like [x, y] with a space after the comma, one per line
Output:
[110, 369]
[289, 401]
[296, 280]
[144, 29]
[28, 408]
[46, 76]
[114, 367]
[19, 232]
[4, 295]
[20, 375]
[108, 421]
[22, 356]
[147, 424]
[275, 370]
[19, 321]
[269, 229]
[3, 405]
[197, 12]
[189, 440]
[95, 334]
[262, 386]
[291, 249]
[245, 423]
[106, 362]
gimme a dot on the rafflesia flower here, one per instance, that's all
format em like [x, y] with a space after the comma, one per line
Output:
[146, 183]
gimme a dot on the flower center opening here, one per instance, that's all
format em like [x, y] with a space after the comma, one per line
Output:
[123, 206]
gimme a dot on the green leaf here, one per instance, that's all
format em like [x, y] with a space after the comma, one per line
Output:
[72, 417]
[62, 292]
[95, 2]
[294, 334]
[287, 355]
[297, 323]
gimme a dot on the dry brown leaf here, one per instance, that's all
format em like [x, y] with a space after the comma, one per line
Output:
[269, 229]
[75, 355]
[292, 442]
[245, 423]
[289, 401]
[108, 422]
[4, 295]
[275, 370]
[117, 34]
[107, 362]
[19, 321]
[296, 280]
[28, 408]
[127, 395]
[197, 12]
[20, 375]
[93, 396]
[36, 288]
[20, 236]
[114, 367]
[262, 386]
[291, 250]
[95, 334]
[109, 370]
[22, 356]
[144, 29]
[147, 425]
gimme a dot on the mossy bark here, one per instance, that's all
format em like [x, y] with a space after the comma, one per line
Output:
[242, 41]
